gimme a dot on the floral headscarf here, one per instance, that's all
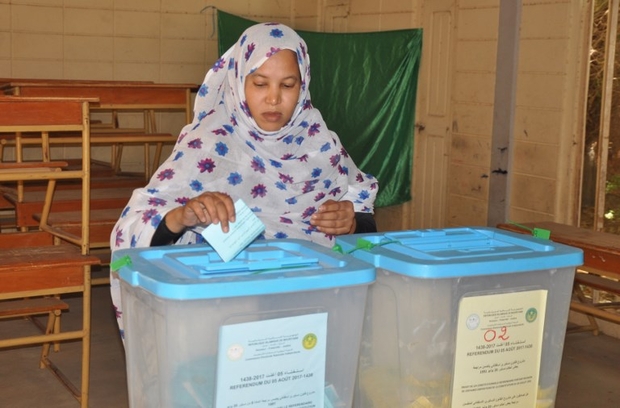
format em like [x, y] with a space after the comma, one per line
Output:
[283, 176]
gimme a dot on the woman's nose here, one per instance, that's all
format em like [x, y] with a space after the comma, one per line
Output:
[273, 96]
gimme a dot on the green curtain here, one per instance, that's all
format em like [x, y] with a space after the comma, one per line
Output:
[365, 86]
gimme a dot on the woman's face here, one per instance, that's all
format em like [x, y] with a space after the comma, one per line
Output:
[272, 90]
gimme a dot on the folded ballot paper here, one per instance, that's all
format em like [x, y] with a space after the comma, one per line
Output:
[241, 233]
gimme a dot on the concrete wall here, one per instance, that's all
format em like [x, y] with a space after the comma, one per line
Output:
[175, 41]
[548, 129]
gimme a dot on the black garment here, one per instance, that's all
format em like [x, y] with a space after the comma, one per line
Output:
[364, 222]
[163, 236]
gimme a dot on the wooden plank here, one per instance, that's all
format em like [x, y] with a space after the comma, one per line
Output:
[25, 239]
[112, 95]
[101, 224]
[596, 312]
[51, 112]
[67, 200]
[99, 234]
[107, 138]
[22, 307]
[73, 218]
[598, 282]
[601, 250]
[11, 166]
[72, 195]
[40, 268]
[6, 83]
[42, 257]
[111, 181]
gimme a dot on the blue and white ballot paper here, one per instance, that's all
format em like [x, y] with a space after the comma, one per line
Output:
[241, 233]
[277, 363]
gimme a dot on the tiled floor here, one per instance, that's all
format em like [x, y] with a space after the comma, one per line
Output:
[589, 378]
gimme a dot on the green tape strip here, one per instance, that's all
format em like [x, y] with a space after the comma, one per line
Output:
[536, 232]
[360, 244]
[541, 233]
[119, 263]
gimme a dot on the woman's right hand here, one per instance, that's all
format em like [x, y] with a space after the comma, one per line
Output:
[208, 208]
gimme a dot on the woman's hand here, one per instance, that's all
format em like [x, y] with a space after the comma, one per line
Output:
[335, 218]
[205, 209]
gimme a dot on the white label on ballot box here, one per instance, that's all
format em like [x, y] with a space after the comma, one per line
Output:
[498, 350]
[275, 363]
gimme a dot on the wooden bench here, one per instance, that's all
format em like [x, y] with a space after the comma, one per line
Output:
[30, 268]
[100, 179]
[8, 168]
[600, 271]
[29, 272]
[29, 307]
[102, 222]
[113, 138]
[596, 280]
[66, 200]
[47, 115]
[52, 306]
[117, 97]
[116, 181]
[102, 175]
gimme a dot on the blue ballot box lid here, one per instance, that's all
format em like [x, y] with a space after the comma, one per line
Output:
[266, 267]
[458, 252]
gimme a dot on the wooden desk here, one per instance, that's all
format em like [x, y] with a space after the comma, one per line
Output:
[26, 274]
[112, 95]
[117, 97]
[5, 83]
[47, 115]
[601, 250]
[600, 270]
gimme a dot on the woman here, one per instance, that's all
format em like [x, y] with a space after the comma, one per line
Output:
[256, 137]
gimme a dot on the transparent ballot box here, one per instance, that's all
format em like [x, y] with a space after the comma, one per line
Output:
[278, 326]
[462, 317]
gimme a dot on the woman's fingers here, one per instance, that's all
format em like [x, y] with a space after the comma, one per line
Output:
[334, 217]
[212, 208]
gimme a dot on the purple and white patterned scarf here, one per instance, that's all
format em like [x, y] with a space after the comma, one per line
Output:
[283, 176]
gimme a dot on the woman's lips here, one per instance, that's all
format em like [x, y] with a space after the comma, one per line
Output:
[272, 116]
